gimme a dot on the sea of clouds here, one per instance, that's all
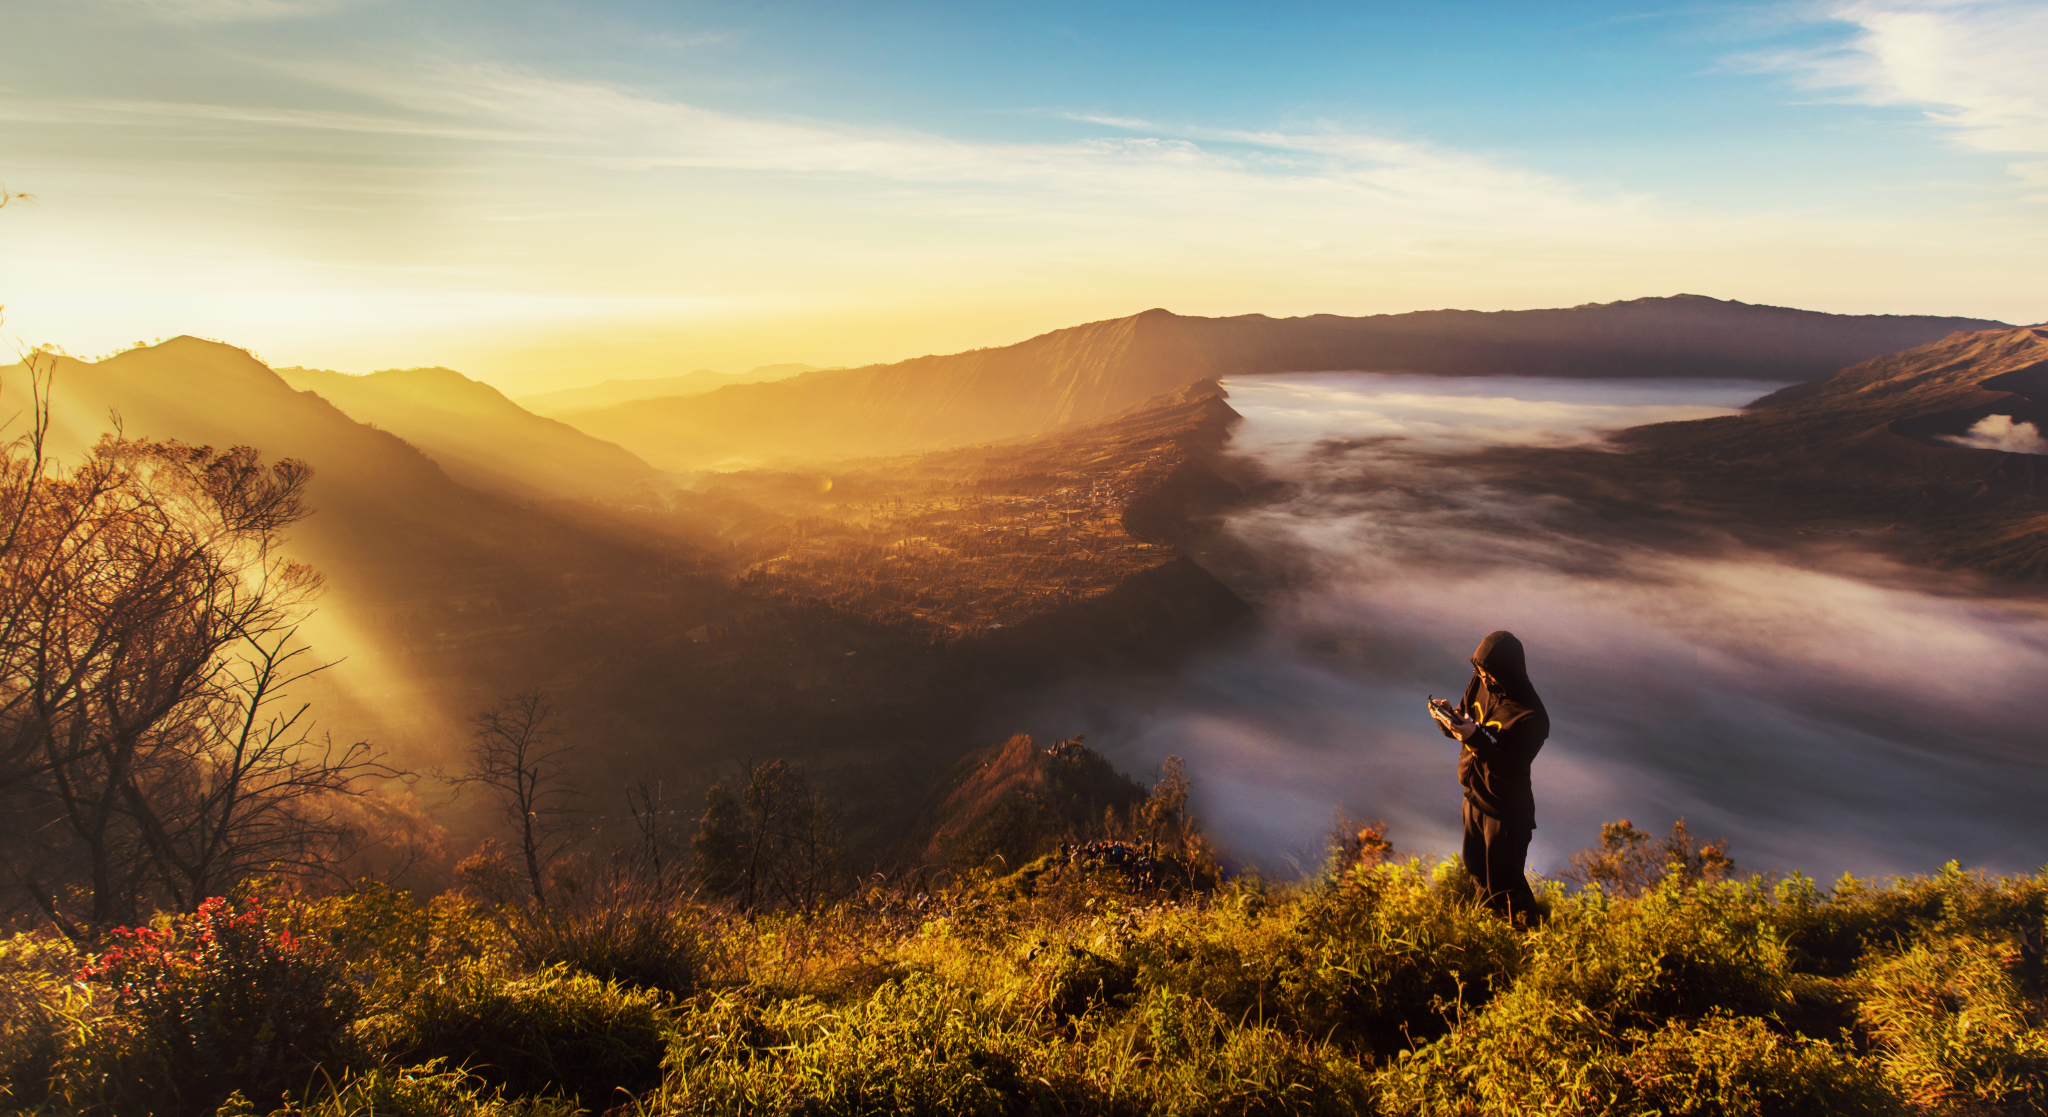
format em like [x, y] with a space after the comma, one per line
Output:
[1824, 712]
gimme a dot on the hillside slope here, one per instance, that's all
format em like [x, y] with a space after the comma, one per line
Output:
[440, 596]
[1091, 371]
[479, 437]
[1874, 451]
[611, 393]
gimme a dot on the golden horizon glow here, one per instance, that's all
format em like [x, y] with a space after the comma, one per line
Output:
[309, 186]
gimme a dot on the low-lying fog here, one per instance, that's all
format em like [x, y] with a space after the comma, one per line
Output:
[1827, 714]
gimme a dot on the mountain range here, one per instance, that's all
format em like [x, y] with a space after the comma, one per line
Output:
[613, 392]
[861, 615]
[479, 437]
[1933, 453]
[1088, 372]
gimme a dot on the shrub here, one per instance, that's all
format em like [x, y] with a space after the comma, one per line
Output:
[1082, 979]
[627, 934]
[1677, 952]
[555, 1030]
[1628, 862]
[1831, 932]
[223, 1000]
[1739, 1067]
[1389, 954]
[1529, 1053]
[1952, 1026]
[927, 1046]
[393, 944]
[423, 1091]
[46, 1017]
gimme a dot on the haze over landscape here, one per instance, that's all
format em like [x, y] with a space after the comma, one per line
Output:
[994, 489]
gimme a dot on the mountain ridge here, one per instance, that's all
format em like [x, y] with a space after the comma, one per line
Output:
[1867, 453]
[480, 438]
[1086, 372]
[565, 401]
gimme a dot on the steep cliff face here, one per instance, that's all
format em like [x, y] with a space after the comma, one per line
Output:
[1092, 371]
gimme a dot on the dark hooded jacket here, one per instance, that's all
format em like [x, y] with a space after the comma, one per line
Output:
[1493, 767]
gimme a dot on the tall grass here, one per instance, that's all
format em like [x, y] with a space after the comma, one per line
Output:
[1379, 988]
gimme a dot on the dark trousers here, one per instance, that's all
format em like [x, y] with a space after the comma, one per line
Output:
[1495, 852]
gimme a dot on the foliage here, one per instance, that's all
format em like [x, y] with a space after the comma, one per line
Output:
[547, 1031]
[1953, 1027]
[772, 843]
[429, 1090]
[1628, 862]
[47, 1017]
[223, 1000]
[1379, 987]
[628, 930]
[148, 756]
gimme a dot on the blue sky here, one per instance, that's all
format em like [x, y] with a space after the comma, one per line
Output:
[548, 193]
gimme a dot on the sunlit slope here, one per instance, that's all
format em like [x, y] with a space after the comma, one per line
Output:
[440, 595]
[1091, 371]
[388, 517]
[477, 435]
[980, 543]
[614, 392]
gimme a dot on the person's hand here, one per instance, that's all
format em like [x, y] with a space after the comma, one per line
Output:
[1459, 726]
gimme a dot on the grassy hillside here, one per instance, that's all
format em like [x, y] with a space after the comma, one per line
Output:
[1377, 988]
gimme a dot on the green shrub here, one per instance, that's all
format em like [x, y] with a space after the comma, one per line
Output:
[224, 1000]
[1829, 933]
[395, 944]
[1390, 954]
[927, 1046]
[553, 1031]
[1679, 952]
[1082, 979]
[632, 939]
[422, 1091]
[47, 1018]
[1740, 1067]
[1528, 1054]
[920, 1046]
[1952, 1026]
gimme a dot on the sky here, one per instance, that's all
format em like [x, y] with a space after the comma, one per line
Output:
[546, 194]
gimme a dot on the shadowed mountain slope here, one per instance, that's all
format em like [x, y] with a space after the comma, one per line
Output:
[1865, 452]
[1092, 371]
[477, 435]
[1016, 801]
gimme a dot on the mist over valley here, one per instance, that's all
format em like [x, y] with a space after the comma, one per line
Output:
[1816, 703]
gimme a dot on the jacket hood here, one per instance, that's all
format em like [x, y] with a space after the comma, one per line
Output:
[1502, 656]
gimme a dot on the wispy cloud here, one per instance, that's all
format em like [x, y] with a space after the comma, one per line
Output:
[1333, 179]
[229, 11]
[102, 111]
[1977, 67]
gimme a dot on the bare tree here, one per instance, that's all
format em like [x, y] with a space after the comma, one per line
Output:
[515, 753]
[147, 626]
[774, 842]
[655, 818]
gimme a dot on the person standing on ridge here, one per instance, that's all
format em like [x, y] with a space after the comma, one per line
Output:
[1501, 724]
